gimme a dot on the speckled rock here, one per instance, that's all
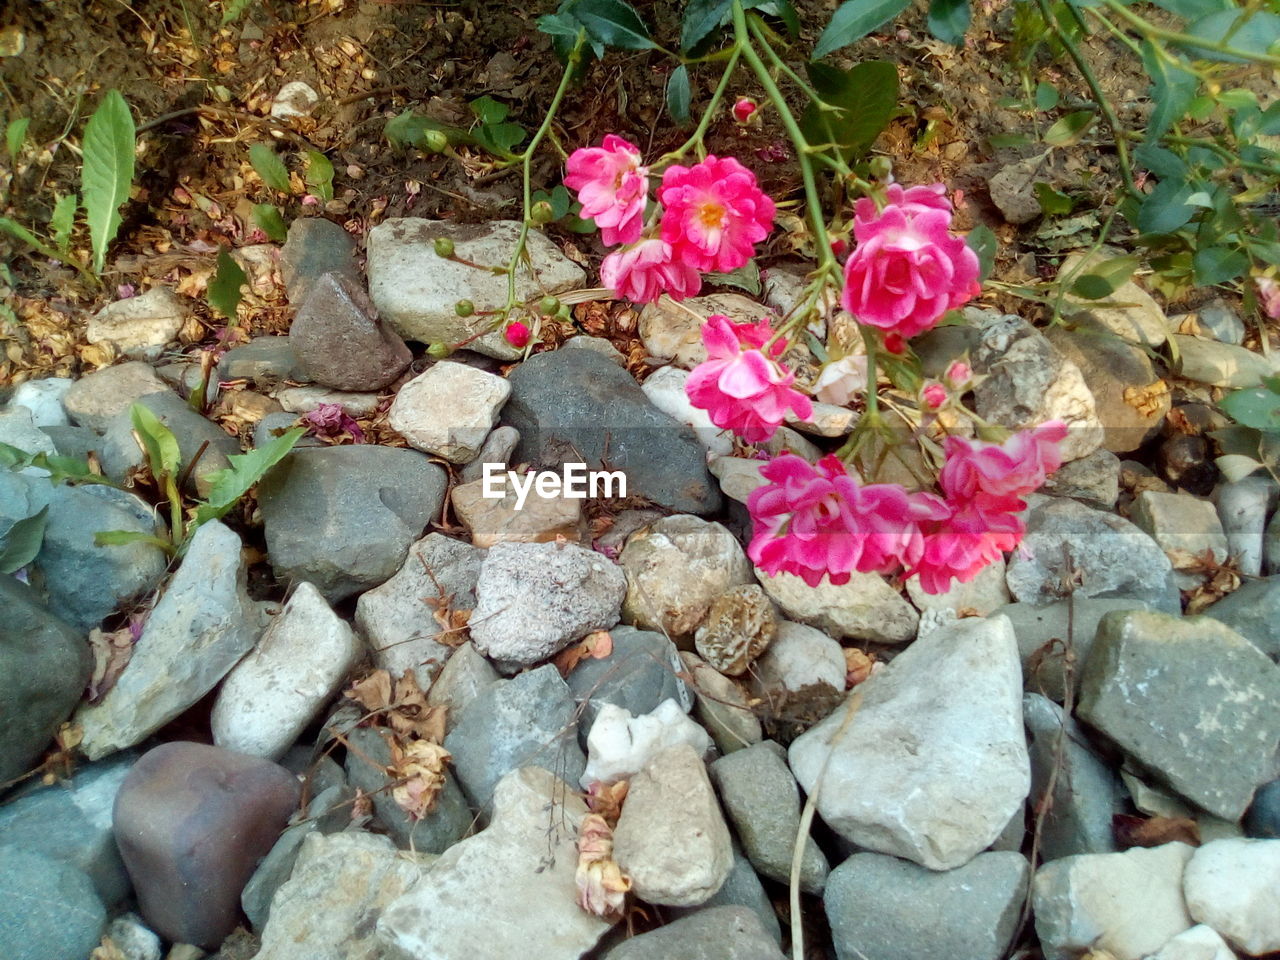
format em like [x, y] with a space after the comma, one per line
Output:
[339, 342]
[449, 410]
[508, 519]
[140, 326]
[739, 626]
[718, 933]
[315, 247]
[865, 608]
[721, 706]
[94, 399]
[48, 909]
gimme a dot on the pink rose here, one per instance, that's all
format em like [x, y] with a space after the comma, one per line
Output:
[646, 270]
[933, 395]
[910, 201]
[1011, 469]
[612, 187]
[1269, 295]
[958, 375]
[714, 213]
[965, 542]
[740, 388]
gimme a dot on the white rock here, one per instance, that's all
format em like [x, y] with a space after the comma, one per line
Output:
[865, 608]
[619, 744]
[140, 326]
[665, 390]
[786, 440]
[133, 938]
[799, 657]
[523, 863]
[271, 695]
[673, 332]
[295, 99]
[738, 476]
[449, 410]
[934, 763]
[1198, 943]
[1243, 507]
[1220, 364]
[1234, 887]
[983, 594]
[672, 838]
[1129, 904]
[1129, 311]
[97, 398]
[44, 399]
[306, 399]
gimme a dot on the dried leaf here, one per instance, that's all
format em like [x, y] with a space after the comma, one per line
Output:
[596, 645]
[602, 886]
[411, 716]
[373, 692]
[111, 654]
[1147, 400]
[419, 769]
[1133, 831]
[606, 799]
[361, 807]
[858, 666]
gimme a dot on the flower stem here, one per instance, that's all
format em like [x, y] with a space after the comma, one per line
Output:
[1149, 29]
[695, 139]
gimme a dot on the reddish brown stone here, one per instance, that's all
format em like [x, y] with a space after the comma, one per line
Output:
[339, 341]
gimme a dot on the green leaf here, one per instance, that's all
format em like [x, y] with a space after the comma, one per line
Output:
[1192, 9]
[1255, 407]
[1165, 208]
[983, 242]
[784, 10]
[16, 229]
[224, 289]
[15, 135]
[267, 216]
[559, 200]
[865, 98]
[1053, 202]
[678, 95]
[12, 458]
[232, 10]
[107, 171]
[1219, 264]
[1046, 96]
[269, 167]
[614, 23]
[21, 542]
[1235, 467]
[853, 20]
[320, 175]
[1172, 90]
[1000, 140]
[1269, 123]
[949, 19]
[158, 442]
[229, 485]
[746, 277]
[499, 138]
[1070, 129]
[1105, 278]
[559, 25]
[489, 110]
[62, 222]
[122, 538]
[1253, 32]
[409, 129]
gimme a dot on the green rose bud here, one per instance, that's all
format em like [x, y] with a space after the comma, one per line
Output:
[547, 306]
[438, 351]
[444, 247]
[880, 167]
[435, 141]
[563, 313]
[541, 212]
[464, 308]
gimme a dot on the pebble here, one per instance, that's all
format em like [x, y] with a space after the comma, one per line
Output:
[1197, 943]
[1243, 507]
[537, 519]
[641, 671]
[192, 821]
[739, 626]
[449, 410]
[1095, 479]
[671, 838]
[1231, 885]
[1129, 904]
[1220, 320]
[980, 596]
[313, 248]
[121, 452]
[1185, 462]
[801, 674]
[529, 847]
[865, 608]
[722, 932]
[339, 342]
[294, 99]
[827, 420]
[343, 518]
[465, 674]
[934, 763]
[1271, 547]
[665, 389]
[597, 345]
[534, 599]
[18, 429]
[97, 397]
[1128, 312]
[721, 706]
[739, 477]
[48, 909]
[264, 362]
[497, 449]
[133, 938]
[1220, 364]
[1149, 674]
[970, 912]
[416, 290]
[44, 399]
[305, 399]
[141, 326]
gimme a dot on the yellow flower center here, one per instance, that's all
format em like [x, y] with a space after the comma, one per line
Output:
[711, 215]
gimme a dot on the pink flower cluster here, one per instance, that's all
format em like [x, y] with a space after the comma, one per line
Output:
[713, 215]
[815, 521]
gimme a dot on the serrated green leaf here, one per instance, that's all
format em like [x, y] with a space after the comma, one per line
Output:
[15, 135]
[1105, 278]
[746, 277]
[865, 98]
[1219, 264]
[1172, 90]
[21, 542]
[853, 20]
[1052, 202]
[678, 95]
[559, 25]
[267, 217]
[319, 175]
[489, 110]
[949, 19]
[223, 291]
[983, 242]
[158, 442]
[499, 138]
[1068, 130]
[269, 167]
[1165, 208]
[229, 485]
[63, 221]
[614, 23]
[106, 173]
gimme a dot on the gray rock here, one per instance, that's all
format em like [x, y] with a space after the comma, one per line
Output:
[133, 938]
[1263, 818]
[1184, 526]
[1271, 547]
[1220, 320]
[343, 518]
[969, 912]
[534, 599]
[575, 406]
[596, 344]
[305, 399]
[203, 623]
[1095, 479]
[140, 326]
[263, 361]
[934, 763]
[274, 424]
[865, 608]
[642, 671]
[415, 290]
[1128, 312]
[44, 399]
[48, 908]
[801, 663]
[742, 888]
[721, 706]
[18, 429]
[1117, 559]
[1253, 611]
[465, 674]
[984, 593]
[497, 448]
[449, 410]
[1243, 507]
[719, 933]
[665, 389]
[75, 442]
[1220, 364]
[526, 721]
[121, 452]
[314, 247]
[1012, 190]
[339, 342]
[762, 801]
[44, 666]
[96, 398]
[1197, 943]
[1231, 886]
[1167, 691]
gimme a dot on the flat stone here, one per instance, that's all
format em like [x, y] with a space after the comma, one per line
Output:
[18, 429]
[1220, 364]
[740, 625]
[1095, 479]
[94, 399]
[449, 410]
[1129, 904]
[718, 933]
[1185, 527]
[934, 763]
[537, 519]
[48, 908]
[76, 442]
[1231, 886]
[1220, 320]
[416, 290]
[641, 671]
[665, 389]
[1243, 507]
[620, 745]
[496, 449]
[721, 706]
[274, 869]
[865, 608]
[1168, 690]
[1253, 611]
[531, 845]
[597, 345]
[1197, 943]
[306, 399]
[294, 99]
[263, 361]
[313, 248]
[44, 399]
[980, 596]
[1129, 312]
[971, 911]
[140, 326]
[339, 341]
[202, 625]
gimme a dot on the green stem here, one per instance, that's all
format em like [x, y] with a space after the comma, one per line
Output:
[177, 526]
[695, 140]
[1149, 29]
[757, 31]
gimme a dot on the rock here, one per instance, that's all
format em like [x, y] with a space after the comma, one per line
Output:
[980, 596]
[1271, 547]
[739, 626]
[721, 706]
[1220, 320]
[640, 672]
[665, 389]
[508, 519]
[1197, 943]
[1184, 527]
[76, 442]
[1027, 382]
[71, 822]
[328, 908]
[1231, 886]
[1263, 818]
[763, 803]
[1012, 190]
[802, 674]
[48, 908]
[305, 399]
[1253, 611]
[139, 327]
[496, 449]
[1128, 904]
[1185, 462]
[1128, 312]
[465, 674]
[203, 623]
[18, 429]
[739, 477]
[270, 696]
[96, 398]
[314, 247]
[675, 570]
[264, 361]
[620, 744]
[828, 420]
[534, 599]
[339, 342]
[597, 345]
[449, 410]
[969, 912]
[44, 399]
[671, 838]
[865, 608]
[786, 440]
[1167, 691]
[416, 290]
[133, 938]
[934, 763]
[522, 722]
[44, 666]
[576, 406]
[191, 821]
[674, 333]
[1116, 558]
[1095, 479]
[121, 452]
[741, 889]
[1243, 507]
[719, 933]
[530, 844]
[1220, 364]
[295, 99]
[343, 518]
[398, 617]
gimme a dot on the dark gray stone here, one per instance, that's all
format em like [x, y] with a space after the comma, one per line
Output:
[576, 406]
[343, 518]
[121, 452]
[1253, 611]
[48, 908]
[264, 362]
[44, 666]
[1263, 819]
[638, 675]
[314, 247]
[721, 933]
[339, 341]
[77, 442]
[274, 424]
[526, 721]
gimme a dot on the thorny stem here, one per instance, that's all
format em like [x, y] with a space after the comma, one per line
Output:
[1149, 29]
